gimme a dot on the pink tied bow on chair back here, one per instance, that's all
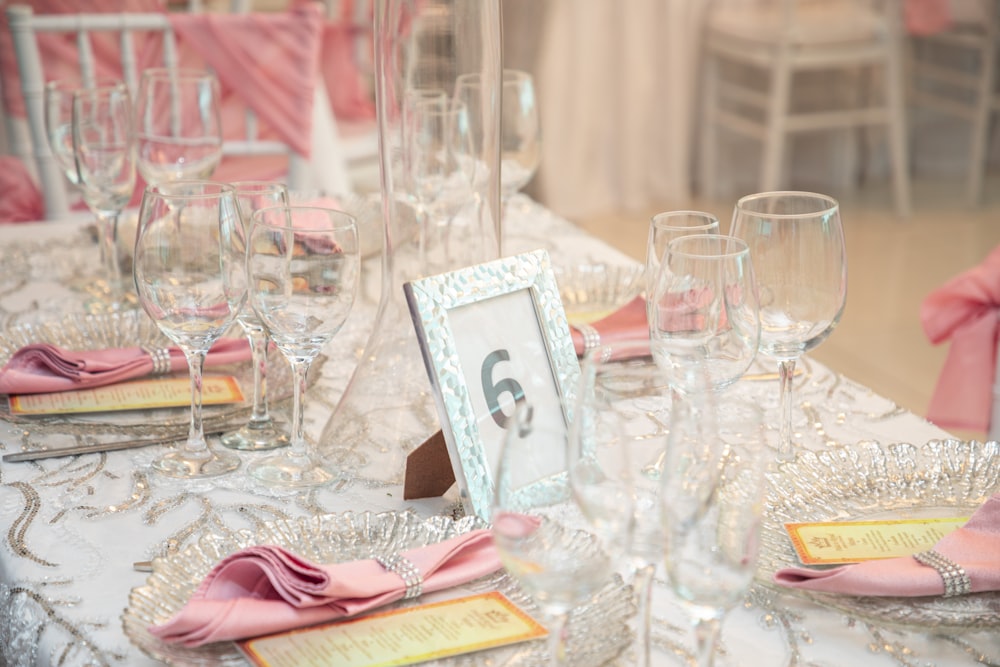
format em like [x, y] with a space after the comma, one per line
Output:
[965, 311]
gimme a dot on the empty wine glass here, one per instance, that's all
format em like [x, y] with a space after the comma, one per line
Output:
[191, 280]
[620, 425]
[665, 227]
[178, 124]
[796, 242]
[260, 432]
[303, 264]
[104, 151]
[58, 102]
[560, 567]
[704, 308]
[711, 500]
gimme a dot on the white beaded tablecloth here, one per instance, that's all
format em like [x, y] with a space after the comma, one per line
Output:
[73, 527]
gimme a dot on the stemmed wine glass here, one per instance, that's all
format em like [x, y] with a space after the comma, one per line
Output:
[58, 102]
[711, 504]
[191, 280]
[178, 124]
[621, 421]
[796, 240]
[260, 432]
[664, 227]
[704, 308]
[104, 151]
[560, 567]
[303, 264]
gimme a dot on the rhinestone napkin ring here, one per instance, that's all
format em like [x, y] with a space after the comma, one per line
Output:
[591, 338]
[406, 570]
[160, 357]
[956, 581]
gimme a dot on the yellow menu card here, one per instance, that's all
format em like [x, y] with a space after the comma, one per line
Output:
[404, 636]
[134, 395]
[835, 542]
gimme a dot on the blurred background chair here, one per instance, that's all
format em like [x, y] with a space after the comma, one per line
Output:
[777, 69]
[953, 72]
[120, 45]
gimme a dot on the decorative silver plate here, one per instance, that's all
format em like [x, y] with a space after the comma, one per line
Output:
[131, 328]
[598, 629]
[870, 481]
[592, 291]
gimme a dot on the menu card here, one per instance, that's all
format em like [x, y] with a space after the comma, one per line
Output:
[837, 542]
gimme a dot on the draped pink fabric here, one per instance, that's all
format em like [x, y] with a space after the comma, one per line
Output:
[926, 17]
[965, 311]
[20, 198]
[269, 59]
[975, 547]
[42, 368]
[268, 589]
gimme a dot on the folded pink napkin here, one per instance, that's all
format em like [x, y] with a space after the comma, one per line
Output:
[965, 310]
[267, 589]
[628, 322]
[975, 547]
[41, 367]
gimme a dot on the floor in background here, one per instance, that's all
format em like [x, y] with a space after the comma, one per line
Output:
[892, 265]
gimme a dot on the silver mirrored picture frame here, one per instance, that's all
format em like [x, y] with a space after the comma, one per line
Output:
[491, 334]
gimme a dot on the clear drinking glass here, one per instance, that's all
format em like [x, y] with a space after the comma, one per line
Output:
[704, 308]
[178, 124]
[560, 567]
[260, 432]
[796, 242]
[104, 151]
[664, 227]
[711, 501]
[619, 430]
[304, 265]
[191, 280]
[58, 99]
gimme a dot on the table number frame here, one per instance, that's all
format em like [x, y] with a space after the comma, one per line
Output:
[486, 332]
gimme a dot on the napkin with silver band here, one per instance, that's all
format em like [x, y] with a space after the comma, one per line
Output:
[626, 323]
[967, 560]
[42, 368]
[266, 589]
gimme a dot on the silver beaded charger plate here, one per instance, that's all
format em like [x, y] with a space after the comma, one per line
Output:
[135, 328]
[592, 291]
[871, 481]
[598, 630]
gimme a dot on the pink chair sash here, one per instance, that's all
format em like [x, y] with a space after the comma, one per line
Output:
[926, 17]
[20, 198]
[965, 312]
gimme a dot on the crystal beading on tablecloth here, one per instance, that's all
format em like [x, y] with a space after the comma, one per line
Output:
[75, 525]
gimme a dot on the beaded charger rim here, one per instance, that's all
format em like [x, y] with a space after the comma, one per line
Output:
[872, 481]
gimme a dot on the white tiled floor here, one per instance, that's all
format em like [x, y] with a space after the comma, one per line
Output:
[892, 265]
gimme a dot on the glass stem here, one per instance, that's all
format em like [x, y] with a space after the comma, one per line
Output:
[559, 638]
[643, 585]
[300, 369]
[706, 634]
[108, 224]
[786, 372]
[258, 352]
[196, 434]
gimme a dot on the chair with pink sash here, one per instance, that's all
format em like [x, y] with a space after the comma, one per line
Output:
[267, 65]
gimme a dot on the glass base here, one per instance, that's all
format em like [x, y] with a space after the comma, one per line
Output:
[255, 437]
[290, 471]
[182, 464]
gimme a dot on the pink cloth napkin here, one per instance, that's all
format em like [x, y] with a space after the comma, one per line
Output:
[975, 547]
[267, 589]
[965, 310]
[20, 198]
[626, 323]
[41, 367]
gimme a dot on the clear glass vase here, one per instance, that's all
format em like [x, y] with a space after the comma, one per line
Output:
[422, 47]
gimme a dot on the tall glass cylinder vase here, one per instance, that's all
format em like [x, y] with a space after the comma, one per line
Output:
[431, 227]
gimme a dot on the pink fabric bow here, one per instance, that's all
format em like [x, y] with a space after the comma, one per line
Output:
[267, 589]
[975, 547]
[965, 310]
[20, 198]
[42, 368]
[626, 323]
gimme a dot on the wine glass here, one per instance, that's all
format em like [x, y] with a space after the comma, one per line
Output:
[58, 102]
[260, 432]
[303, 264]
[104, 151]
[796, 242]
[711, 502]
[178, 124]
[190, 278]
[704, 307]
[664, 227]
[620, 425]
[560, 567]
